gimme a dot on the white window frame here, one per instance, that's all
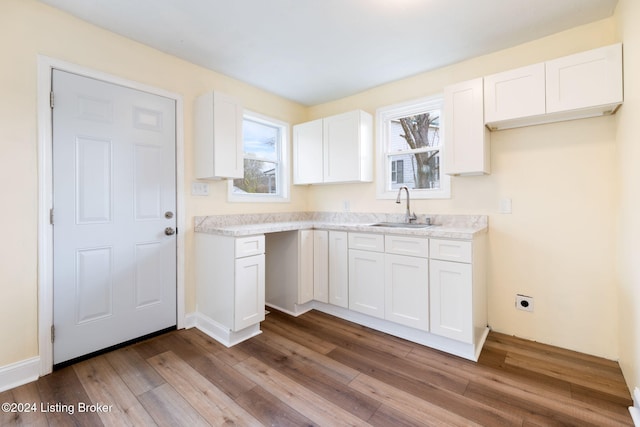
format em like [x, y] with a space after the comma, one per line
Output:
[383, 174]
[282, 170]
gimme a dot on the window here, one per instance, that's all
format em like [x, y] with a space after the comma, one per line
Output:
[265, 161]
[397, 171]
[410, 149]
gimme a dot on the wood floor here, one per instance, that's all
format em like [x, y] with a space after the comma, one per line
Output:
[319, 370]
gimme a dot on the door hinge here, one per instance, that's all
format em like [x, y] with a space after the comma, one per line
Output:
[51, 216]
[51, 99]
[53, 334]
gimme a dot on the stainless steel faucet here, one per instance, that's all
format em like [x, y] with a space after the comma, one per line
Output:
[410, 217]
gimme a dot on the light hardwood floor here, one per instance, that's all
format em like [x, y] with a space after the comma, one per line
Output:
[319, 370]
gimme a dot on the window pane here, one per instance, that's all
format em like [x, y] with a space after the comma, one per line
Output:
[418, 170]
[260, 140]
[259, 178]
[415, 132]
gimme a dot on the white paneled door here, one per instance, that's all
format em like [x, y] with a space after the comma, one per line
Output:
[114, 222]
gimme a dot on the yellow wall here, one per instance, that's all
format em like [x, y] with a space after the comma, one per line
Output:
[29, 28]
[628, 16]
[559, 245]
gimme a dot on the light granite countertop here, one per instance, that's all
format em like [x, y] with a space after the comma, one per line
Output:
[463, 227]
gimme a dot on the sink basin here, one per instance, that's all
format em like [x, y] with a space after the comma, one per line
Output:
[401, 225]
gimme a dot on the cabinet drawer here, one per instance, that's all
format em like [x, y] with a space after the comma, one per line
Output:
[366, 242]
[248, 246]
[412, 246]
[450, 250]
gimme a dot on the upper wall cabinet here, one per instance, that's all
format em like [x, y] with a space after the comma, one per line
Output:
[334, 149]
[586, 84]
[587, 79]
[467, 141]
[307, 152]
[514, 94]
[218, 137]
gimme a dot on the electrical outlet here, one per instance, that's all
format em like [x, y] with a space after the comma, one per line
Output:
[524, 302]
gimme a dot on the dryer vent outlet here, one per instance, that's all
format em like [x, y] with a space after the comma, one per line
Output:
[524, 302]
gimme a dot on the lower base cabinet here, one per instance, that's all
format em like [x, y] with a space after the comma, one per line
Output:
[249, 295]
[233, 298]
[451, 300]
[407, 290]
[338, 268]
[366, 282]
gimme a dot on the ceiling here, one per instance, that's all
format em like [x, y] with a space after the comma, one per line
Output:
[314, 51]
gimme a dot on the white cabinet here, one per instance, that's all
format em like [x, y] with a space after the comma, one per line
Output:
[348, 147]
[338, 268]
[514, 94]
[467, 141]
[584, 80]
[218, 137]
[308, 152]
[230, 281]
[249, 292]
[321, 265]
[334, 149]
[586, 84]
[407, 290]
[451, 305]
[406, 270]
[366, 274]
[305, 262]
[366, 282]
[389, 278]
[458, 305]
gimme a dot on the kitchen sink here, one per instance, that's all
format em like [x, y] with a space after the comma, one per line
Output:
[401, 225]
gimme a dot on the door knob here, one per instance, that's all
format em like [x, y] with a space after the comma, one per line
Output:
[169, 231]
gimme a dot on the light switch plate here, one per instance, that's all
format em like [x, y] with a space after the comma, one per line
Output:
[505, 206]
[199, 189]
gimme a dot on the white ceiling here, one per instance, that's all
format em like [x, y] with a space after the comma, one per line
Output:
[313, 51]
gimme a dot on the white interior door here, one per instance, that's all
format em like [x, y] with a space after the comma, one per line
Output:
[114, 205]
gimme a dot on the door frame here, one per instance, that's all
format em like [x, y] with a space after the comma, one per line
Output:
[46, 65]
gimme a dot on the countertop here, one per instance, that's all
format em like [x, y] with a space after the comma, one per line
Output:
[463, 227]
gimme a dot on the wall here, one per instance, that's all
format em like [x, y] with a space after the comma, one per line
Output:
[558, 245]
[29, 28]
[628, 16]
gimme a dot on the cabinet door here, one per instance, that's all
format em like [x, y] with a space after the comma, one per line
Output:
[338, 269]
[307, 153]
[514, 94]
[467, 141]
[586, 79]
[249, 292]
[305, 262]
[366, 282]
[321, 265]
[345, 151]
[451, 300]
[218, 137]
[407, 290]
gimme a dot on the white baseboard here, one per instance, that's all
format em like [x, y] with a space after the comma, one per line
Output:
[221, 333]
[635, 409]
[19, 373]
